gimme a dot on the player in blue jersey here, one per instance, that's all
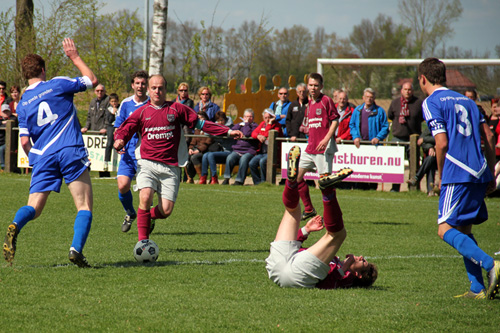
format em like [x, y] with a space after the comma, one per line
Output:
[50, 136]
[465, 173]
[128, 162]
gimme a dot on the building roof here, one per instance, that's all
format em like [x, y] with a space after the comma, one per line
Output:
[455, 79]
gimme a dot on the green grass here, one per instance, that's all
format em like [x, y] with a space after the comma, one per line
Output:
[210, 275]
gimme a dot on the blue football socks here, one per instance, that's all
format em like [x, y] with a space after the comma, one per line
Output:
[474, 272]
[127, 201]
[467, 247]
[23, 216]
[83, 221]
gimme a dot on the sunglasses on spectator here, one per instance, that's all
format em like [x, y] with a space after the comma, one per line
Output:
[204, 94]
[282, 93]
[182, 90]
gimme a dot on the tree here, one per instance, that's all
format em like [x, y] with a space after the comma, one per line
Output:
[158, 36]
[25, 41]
[430, 22]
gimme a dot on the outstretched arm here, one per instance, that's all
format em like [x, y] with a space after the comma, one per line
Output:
[72, 53]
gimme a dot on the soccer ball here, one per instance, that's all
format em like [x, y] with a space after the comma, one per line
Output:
[146, 251]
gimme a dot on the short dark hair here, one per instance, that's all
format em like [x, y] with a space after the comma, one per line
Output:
[114, 96]
[3, 83]
[32, 66]
[203, 114]
[315, 76]
[220, 115]
[434, 70]
[367, 278]
[473, 91]
[140, 74]
[14, 87]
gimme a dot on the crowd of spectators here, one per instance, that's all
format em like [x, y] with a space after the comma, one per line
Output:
[367, 122]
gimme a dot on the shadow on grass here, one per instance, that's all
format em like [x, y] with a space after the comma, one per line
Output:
[127, 264]
[383, 223]
[219, 250]
[192, 233]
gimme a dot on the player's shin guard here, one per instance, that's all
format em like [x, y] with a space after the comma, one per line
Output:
[468, 248]
[143, 223]
[23, 216]
[332, 214]
[474, 272]
[291, 194]
[305, 197]
[127, 201]
[81, 229]
[156, 213]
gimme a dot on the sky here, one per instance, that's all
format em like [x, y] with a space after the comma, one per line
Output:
[478, 29]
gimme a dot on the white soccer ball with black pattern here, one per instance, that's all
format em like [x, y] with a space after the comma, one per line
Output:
[146, 251]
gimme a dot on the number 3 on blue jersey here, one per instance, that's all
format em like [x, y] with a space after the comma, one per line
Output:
[464, 118]
[44, 110]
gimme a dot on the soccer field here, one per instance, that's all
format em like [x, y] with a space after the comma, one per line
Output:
[211, 275]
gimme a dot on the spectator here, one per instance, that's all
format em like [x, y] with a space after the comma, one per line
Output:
[472, 94]
[114, 106]
[494, 124]
[243, 150]
[280, 108]
[261, 133]
[406, 115]
[217, 153]
[183, 95]
[345, 111]
[4, 98]
[15, 94]
[295, 114]
[335, 95]
[206, 104]
[5, 115]
[368, 122]
[96, 117]
[429, 165]
[197, 148]
[163, 152]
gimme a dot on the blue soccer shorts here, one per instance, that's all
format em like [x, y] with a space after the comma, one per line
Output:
[127, 166]
[68, 163]
[462, 204]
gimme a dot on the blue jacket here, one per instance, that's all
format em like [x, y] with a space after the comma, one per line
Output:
[212, 109]
[284, 111]
[378, 126]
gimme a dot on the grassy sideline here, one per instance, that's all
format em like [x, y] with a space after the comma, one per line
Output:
[210, 275]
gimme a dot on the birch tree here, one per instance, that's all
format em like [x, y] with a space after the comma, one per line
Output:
[158, 36]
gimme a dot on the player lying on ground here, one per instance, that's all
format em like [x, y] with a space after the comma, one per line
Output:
[47, 117]
[317, 266]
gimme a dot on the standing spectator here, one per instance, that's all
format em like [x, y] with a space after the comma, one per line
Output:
[15, 94]
[295, 115]
[183, 95]
[114, 105]
[429, 165]
[197, 148]
[472, 94]
[243, 150]
[261, 133]
[465, 173]
[368, 122]
[280, 108]
[4, 98]
[5, 115]
[494, 124]
[128, 162]
[96, 117]
[206, 103]
[335, 95]
[406, 115]
[217, 153]
[163, 151]
[345, 111]
[54, 145]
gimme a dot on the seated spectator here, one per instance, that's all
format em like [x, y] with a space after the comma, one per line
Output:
[243, 150]
[206, 104]
[183, 95]
[280, 108]
[5, 115]
[114, 105]
[345, 111]
[261, 133]
[296, 112]
[197, 147]
[429, 165]
[15, 95]
[368, 122]
[217, 152]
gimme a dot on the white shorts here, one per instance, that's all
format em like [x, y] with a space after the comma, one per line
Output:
[163, 178]
[322, 163]
[287, 267]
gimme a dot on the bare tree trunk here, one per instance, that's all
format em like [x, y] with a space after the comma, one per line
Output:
[158, 37]
[25, 35]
